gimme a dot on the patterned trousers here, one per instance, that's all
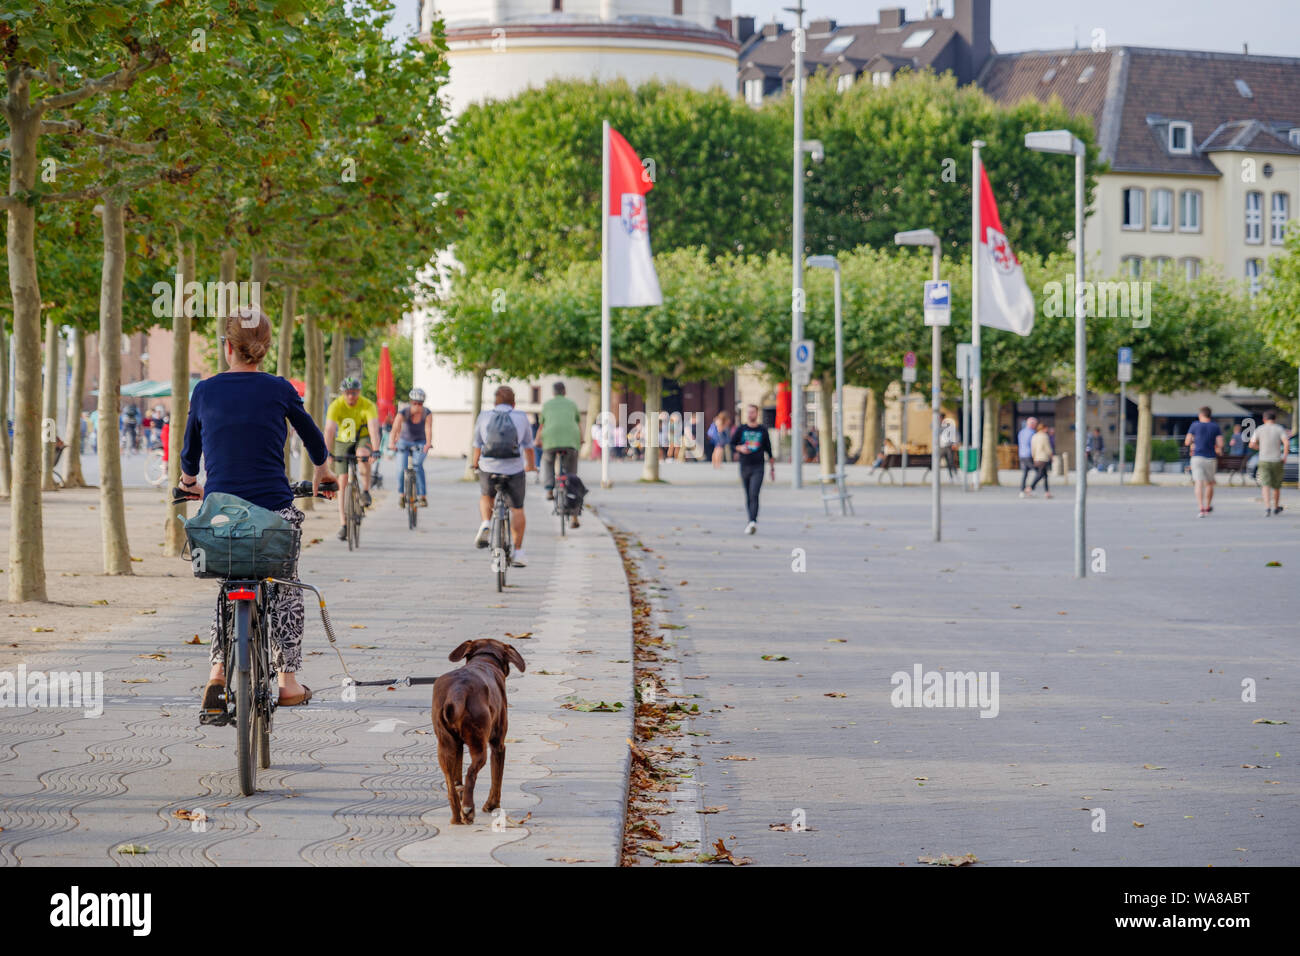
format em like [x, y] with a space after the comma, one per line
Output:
[286, 612]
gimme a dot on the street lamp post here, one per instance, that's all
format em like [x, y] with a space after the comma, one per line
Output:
[1063, 141]
[796, 294]
[830, 262]
[927, 237]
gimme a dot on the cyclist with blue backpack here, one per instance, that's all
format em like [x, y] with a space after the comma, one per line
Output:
[503, 449]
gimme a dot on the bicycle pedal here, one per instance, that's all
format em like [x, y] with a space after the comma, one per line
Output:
[215, 719]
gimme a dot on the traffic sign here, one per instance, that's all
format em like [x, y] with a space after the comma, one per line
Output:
[963, 360]
[938, 307]
[1125, 373]
[801, 360]
[909, 367]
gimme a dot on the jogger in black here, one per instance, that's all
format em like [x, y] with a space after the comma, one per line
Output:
[752, 445]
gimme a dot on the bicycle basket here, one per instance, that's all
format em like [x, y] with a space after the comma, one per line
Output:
[234, 538]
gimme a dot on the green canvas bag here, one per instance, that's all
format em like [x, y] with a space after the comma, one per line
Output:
[234, 538]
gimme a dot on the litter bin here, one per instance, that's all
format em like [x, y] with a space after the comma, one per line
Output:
[969, 459]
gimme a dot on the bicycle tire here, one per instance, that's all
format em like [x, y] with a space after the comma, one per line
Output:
[412, 505]
[155, 469]
[245, 702]
[354, 514]
[263, 681]
[498, 549]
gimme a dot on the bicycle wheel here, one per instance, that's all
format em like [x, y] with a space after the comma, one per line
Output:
[245, 701]
[354, 516]
[155, 470]
[412, 507]
[499, 559]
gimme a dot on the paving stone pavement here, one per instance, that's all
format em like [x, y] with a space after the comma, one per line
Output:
[1121, 692]
[351, 783]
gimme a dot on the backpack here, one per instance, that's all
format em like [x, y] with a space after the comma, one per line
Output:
[574, 493]
[500, 437]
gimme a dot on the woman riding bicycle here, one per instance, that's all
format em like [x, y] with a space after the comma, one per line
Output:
[411, 437]
[237, 424]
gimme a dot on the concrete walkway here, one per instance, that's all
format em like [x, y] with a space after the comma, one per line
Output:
[351, 783]
[1121, 693]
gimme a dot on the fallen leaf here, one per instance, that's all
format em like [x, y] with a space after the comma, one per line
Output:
[736, 757]
[789, 828]
[766, 657]
[836, 694]
[136, 680]
[1257, 720]
[722, 855]
[712, 809]
[42, 630]
[520, 637]
[132, 848]
[358, 627]
[365, 647]
[189, 814]
[1148, 766]
[148, 610]
[194, 640]
[944, 859]
[101, 601]
[1136, 824]
[1273, 564]
[836, 640]
[153, 657]
[568, 859]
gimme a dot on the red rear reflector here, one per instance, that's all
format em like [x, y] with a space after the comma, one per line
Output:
[242, 594]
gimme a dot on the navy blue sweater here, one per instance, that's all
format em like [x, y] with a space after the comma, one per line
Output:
[237, 424]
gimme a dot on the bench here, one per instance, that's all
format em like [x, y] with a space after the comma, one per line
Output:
[1234, 465]
[921, 460]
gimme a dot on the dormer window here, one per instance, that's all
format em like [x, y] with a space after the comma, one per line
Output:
[844, 81]
[1244, 89]
[1180, 138]
[1086, 75]
[1294, 136]
[881, 78]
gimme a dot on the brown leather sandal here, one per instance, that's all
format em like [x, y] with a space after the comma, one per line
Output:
[297, 699]
[214, 697]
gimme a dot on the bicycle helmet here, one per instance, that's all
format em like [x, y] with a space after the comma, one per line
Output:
[417, 395]
[350, 383]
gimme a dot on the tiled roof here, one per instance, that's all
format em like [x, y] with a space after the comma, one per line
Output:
[774, 54]
[1133, 93]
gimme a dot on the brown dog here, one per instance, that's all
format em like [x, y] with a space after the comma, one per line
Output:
[469, 709]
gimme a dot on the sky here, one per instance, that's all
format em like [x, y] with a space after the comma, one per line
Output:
[1266, 26]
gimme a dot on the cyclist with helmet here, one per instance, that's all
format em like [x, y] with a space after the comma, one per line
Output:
[412, 435]
[349, 422]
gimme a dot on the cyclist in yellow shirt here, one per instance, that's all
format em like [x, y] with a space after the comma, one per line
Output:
[349, 423]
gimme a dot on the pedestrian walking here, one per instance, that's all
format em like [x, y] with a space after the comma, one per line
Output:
[1237, 442]
[1270, 438]
[1040, 451]
[719, 435]
[947, 440]
[1206, 439]
[1095, 447]
[751, 444]
[1024, 442]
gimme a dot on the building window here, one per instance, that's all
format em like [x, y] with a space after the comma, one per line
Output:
[557, 6]
[1162, 210]
[1191, 268]
[844, 82]
[1189, 210]
[1161, 264]
[677, 8]
[881, 78]
[1294, 136]
[1134, 208]
[1254, 267]
[1131, 266]
[1277, 221]
[754, 91]
[1254, 217]
[1180, 138]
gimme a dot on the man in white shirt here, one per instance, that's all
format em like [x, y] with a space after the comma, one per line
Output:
[1270, 439]
[503, 455]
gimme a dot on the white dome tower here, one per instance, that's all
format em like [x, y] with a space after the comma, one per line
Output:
[498, 47]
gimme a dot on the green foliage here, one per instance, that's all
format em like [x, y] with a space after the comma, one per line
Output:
[1280, 303]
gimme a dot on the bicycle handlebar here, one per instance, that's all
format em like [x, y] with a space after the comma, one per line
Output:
[299, 489]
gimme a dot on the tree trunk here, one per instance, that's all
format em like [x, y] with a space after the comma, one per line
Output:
[72, 475]
[4, 412]
[112, 509]
[593, 417]
[229, 274]
[989, 456]
[654, 390]
[870, 428]
[338, 342]
[311, 398]
[476, 409]
[826, 449]
[1142, 451]
[50, 404]
[26, 572]
[175, 514]
[284, 357]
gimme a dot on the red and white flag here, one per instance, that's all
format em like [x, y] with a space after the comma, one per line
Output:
[1005, 300]
[632, 278]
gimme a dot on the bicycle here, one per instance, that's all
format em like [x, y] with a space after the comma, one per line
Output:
[155, 469]
[561, 507]
[353, 509]
[412, 499]
[500, 540]
[243, 612]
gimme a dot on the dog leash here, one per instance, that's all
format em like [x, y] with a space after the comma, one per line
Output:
[349, 680]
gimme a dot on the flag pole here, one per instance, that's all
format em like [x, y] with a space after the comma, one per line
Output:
[604, 431]
[977, 399]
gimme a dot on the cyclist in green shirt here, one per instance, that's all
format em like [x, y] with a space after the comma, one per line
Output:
[349, 422]
[559, 433]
